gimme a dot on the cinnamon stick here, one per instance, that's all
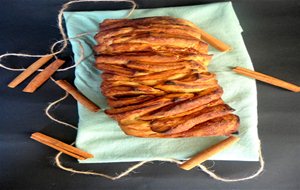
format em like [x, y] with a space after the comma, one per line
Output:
[42, 77]
[218, 44]
[60, 146]
[267, 79]
[29, 71]
[204, 155]
[78, 95]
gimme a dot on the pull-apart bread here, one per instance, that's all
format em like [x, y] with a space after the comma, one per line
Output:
[156, 81]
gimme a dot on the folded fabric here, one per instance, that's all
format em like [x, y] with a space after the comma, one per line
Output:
[101, 136]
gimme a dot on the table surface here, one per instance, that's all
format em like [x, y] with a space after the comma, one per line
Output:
[272, 37]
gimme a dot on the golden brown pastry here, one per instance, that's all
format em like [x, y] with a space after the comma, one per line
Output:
[156, 81]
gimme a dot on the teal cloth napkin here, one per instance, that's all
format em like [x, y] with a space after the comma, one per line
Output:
[102, 137]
